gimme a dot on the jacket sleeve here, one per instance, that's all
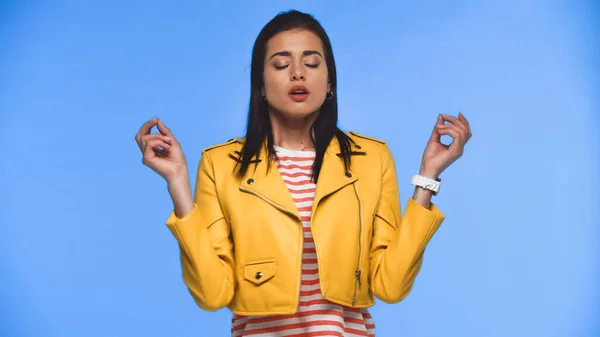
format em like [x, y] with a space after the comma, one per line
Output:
[398, 242]
[206, 252]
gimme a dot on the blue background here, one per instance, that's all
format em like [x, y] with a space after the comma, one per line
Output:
[83, 246]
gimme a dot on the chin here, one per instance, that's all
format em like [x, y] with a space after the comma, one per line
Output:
[298, 111]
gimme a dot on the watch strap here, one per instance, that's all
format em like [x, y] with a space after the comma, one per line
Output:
[427, 183]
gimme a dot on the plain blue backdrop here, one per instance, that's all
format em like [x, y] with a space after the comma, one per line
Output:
[83, 246]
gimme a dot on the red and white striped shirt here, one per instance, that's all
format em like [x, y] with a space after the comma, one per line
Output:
[315, 316]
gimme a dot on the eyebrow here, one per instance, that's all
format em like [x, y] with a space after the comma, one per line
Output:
[288, 53]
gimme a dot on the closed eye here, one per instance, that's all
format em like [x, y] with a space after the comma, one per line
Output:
[287, 65]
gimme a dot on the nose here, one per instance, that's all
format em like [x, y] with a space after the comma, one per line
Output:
[297, 74]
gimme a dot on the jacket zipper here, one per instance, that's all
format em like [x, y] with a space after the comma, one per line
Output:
[290, 213]
[269, 202]
[358, 272]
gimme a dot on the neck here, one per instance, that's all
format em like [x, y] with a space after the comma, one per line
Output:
[292, 134]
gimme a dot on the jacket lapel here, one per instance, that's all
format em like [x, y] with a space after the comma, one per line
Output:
[270, 187]
[333, 175]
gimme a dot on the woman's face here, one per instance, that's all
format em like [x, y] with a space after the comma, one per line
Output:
[295, 73]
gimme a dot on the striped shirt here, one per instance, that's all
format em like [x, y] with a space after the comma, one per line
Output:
[315, 316]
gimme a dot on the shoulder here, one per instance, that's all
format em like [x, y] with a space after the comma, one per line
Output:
[374, 147]
[365, 142]
[219, 153]
[224, 146]
[361, 137]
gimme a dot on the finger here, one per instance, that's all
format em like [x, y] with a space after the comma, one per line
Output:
[464, 132]
[459, 133]
[155, 143]
[464, 120]
[145, 129]
[451, 130]
[440, 120]
[457, 141]
[450, 118]
[153, 136]
[455, 121]
[435, 135]
[149, 155]
[153, 149]
[163, 129]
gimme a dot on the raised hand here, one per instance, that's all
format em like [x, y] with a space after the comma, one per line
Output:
[161, 152]
[437, 156]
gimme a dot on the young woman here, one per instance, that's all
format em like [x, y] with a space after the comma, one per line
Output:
[297, 226]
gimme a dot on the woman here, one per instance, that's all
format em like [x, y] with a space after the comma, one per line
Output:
[297, 226]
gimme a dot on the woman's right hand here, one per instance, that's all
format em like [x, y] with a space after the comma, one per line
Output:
[162, 153]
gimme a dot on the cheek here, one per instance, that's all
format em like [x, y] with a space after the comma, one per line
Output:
[322, 79]
[321, 84]
[274, 82]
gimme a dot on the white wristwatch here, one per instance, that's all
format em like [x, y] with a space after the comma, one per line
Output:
[427, 183]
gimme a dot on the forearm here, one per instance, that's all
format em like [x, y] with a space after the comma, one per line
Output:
[399, 241]
[203, 234]
[206, 258]
[181, 195]
[397, 250]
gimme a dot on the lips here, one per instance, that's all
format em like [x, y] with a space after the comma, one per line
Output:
[299, 93]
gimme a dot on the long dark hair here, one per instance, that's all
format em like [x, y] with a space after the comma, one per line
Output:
[259, 125]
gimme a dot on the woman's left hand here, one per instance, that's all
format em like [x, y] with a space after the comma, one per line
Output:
[437, 156]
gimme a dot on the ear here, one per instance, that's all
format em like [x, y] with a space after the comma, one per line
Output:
[328, 86]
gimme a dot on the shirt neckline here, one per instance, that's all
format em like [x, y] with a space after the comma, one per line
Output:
[294, 153]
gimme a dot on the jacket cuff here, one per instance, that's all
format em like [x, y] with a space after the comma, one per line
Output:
[431, 215]
[174, 221]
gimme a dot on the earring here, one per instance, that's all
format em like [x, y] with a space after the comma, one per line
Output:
[264, 98]
[329, 95]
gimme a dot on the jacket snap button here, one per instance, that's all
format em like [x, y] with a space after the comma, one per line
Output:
[357, 146]
[348, 174]
[258, 275]
[250, 181]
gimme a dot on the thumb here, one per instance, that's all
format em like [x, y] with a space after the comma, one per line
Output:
[163, 129]
[435, 135]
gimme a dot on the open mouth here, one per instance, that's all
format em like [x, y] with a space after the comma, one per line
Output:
[299, 93]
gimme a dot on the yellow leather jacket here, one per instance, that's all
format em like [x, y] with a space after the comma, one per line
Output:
[241, 246]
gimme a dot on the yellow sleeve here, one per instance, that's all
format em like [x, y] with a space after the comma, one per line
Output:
[206, 250]
[398, 242]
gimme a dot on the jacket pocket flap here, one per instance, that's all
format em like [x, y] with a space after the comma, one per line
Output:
[259, 272]
[388, 215]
